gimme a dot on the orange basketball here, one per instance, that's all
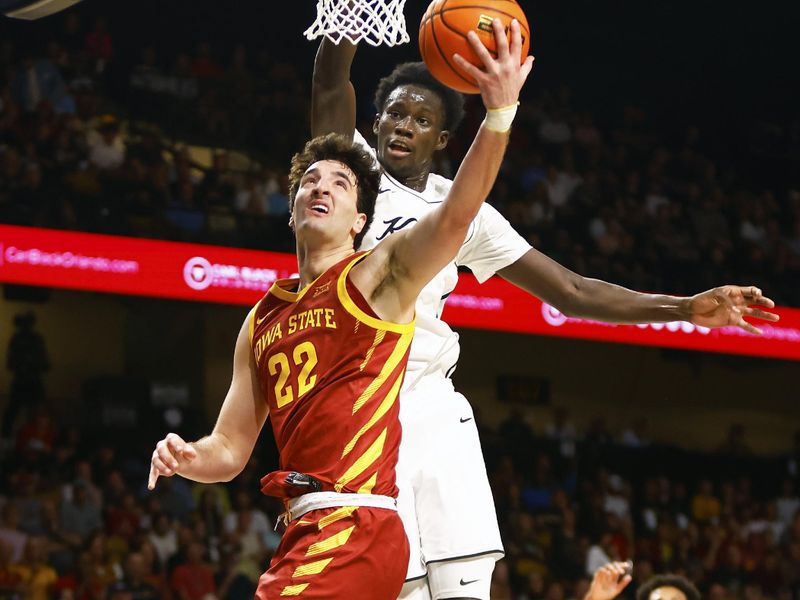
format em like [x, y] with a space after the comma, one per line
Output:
[443, 32]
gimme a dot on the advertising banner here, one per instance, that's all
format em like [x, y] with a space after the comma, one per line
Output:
[134, 266]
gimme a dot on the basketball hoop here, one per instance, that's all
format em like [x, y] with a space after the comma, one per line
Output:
[377, 22]
[33, 9]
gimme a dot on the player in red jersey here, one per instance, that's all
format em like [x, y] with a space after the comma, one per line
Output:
[325, 356]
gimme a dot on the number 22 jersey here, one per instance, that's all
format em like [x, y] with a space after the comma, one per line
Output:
[330, 371]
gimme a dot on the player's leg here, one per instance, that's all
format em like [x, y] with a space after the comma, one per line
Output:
[455, 509]
[467, 578]
[339, 554]
[416, 589]
[416, 585]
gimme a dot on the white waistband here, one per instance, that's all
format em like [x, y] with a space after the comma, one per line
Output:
[299, 506]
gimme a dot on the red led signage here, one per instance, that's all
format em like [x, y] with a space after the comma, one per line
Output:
[121, 265]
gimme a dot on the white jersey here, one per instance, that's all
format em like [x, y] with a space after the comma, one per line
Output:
[491, 244]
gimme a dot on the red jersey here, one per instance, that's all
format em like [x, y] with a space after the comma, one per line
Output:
[330, 371]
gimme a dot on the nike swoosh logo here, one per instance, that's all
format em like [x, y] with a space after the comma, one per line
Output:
[462, 582]
[384, 191]
[463, 420]
[261, 320]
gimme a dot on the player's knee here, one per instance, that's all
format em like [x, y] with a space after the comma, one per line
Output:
[461, 579]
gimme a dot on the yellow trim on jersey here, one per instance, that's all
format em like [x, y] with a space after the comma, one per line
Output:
[382, 409]
[294, 590]
[352, 308]
[363, 462]
[286, 295]
[397, 355]
[283, 294]
[370, 485]
[337, 515]
[330, 543]
[312, 568]
[379, 335]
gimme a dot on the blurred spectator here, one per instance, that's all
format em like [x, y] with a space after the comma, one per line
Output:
[79, 515]
[106, 149]
[28, 361]
[39, 80]
[249, 520]
[788, 502]
[705, 506]
[194, 579]
[735, 444]
[515, 430]
[636, 435]
[99, 46]
[163, 538]
[10, 533]
[102, 569]
[203, 64]
[12, 584]
[133, 586]
[38, 578]
[600, 553]
[562, 430]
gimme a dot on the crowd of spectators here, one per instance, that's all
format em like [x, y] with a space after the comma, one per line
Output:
[76, 154]
[77, 522]
[86, 143]
[622, 204]
[569, 501]
[89, 144]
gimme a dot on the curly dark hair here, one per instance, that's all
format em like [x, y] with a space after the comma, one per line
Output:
[416, 73]
[340, 148]
[668, 580]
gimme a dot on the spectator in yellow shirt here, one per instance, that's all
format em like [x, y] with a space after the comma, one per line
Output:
[705, 506]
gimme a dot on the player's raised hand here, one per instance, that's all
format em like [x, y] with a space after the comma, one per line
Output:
[170, 455]
[728, 305]
[501, 79]
[609, 580]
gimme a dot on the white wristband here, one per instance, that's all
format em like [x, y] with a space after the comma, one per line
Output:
[500, 119]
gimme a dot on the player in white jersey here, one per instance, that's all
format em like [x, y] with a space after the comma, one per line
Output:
[453, 534]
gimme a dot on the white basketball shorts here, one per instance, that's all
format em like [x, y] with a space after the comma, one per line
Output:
[445, 500]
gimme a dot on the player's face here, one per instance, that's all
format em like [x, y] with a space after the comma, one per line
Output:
[326, 204]
[410, 129]
[667, 592]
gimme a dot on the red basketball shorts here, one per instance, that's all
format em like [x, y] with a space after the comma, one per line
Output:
[344, 553]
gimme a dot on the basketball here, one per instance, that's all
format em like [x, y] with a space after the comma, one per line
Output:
[443, 32]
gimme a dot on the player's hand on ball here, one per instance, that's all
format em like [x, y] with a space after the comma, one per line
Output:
[170, 455]
[728, 305]
[501, 78]
[609, 580]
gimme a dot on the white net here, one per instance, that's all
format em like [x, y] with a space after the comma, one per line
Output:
[377, 22]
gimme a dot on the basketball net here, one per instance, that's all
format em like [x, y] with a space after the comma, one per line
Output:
[377, 22]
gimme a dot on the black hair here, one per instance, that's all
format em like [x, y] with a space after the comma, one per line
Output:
[416, 73]
[343, 149]
[668, 580]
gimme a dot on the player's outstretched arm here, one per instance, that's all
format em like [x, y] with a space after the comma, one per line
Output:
[223, 454]
[403, 263]
[586, 298]
[333, 99]
[609, 581]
